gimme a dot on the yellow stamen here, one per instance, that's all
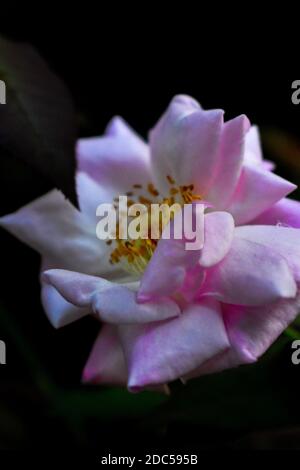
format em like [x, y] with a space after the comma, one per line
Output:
[144, 200]
[152, 190]
[170, 179]
[134, 255]
[173, 191]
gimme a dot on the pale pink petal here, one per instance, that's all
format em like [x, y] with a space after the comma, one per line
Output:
[218, 233]
[251, 331]
[193, 280]
[253, 152]
[268, 166]
[184, 145]
[256, 192]
[220, 362]
[91, 195]
[60, 233]
[112, 303]
[118, 127]
[250, 274]
[106, 363]
[160, 352]
[285, 212]
[117, 160]
[167, 269]
[283, 240]
[171, 260]
[230, 161]
[58, 310]
[171, 263]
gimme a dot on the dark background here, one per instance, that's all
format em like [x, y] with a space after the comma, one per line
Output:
[41, 400]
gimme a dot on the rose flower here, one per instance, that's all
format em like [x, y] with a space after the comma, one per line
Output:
[166, 312]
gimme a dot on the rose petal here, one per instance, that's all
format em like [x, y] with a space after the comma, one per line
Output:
[256, 192]
[58, 310]
[250, 274]
[113, 303]
[106, 363]
[60, 233]
[160, 352]
[253, 152]
[285, 212]
[218, 233]
[117, 160]
[171, 260]
[184, 145]
[230, 160]
[91, 195]
[251, 331]
[283, 240]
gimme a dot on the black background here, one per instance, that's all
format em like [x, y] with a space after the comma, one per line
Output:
[124, 69]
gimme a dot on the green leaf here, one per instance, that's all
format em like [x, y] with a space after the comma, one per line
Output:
[38, 120]
[292, 333]
[109, 403]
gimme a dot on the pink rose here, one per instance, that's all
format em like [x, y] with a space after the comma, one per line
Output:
[169, 313]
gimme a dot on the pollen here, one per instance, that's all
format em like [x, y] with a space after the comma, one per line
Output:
[145, 200]
[152, 190]
[170, 179]
[173, 191]
[134, 255]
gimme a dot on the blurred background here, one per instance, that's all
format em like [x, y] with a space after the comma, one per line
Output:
[41, 399]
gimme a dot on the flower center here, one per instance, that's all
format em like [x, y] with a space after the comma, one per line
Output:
[134, 254]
